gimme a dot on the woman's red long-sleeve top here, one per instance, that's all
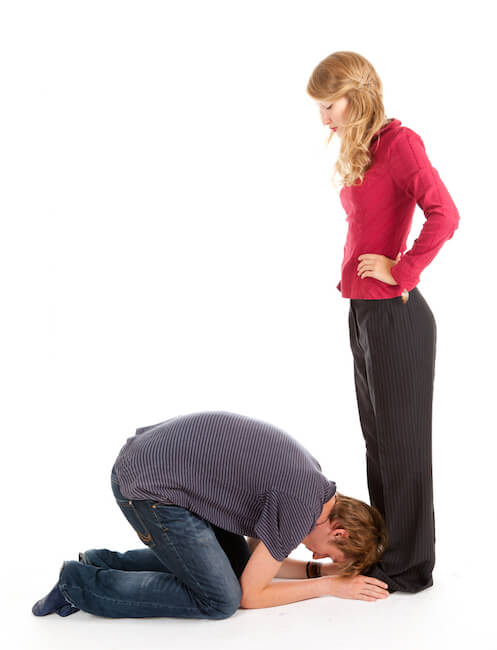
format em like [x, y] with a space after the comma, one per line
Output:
[380, 212]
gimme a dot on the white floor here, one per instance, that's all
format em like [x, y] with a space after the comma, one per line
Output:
[455, 613]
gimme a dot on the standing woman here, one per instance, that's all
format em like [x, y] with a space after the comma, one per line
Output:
[385, 172]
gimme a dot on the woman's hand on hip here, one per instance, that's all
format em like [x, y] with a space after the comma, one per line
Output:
[376, 266]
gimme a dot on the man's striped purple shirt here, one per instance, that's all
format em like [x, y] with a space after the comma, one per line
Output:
[240, 474]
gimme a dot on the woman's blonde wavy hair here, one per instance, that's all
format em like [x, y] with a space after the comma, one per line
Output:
[350, 74]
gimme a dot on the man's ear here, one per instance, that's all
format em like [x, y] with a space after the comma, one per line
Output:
[340, 532]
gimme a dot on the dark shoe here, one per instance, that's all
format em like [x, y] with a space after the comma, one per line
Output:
[54, 601]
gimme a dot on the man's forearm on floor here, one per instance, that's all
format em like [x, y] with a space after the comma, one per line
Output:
[291, 568]
[291, 591]
[297, 569]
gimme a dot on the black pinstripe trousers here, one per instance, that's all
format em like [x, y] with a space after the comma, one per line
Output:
[393, 345]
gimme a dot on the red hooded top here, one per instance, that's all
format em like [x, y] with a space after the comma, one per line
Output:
[380, 211]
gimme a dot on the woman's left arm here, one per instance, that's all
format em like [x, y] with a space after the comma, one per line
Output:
[413, 172]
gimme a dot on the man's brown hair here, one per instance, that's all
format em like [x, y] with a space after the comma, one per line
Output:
[367, 535]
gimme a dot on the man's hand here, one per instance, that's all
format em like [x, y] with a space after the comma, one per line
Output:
[376, 266]
[359, 588]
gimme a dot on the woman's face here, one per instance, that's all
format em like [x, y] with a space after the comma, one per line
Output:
[333, 114]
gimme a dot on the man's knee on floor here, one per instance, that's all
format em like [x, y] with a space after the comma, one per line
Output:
[226, 604]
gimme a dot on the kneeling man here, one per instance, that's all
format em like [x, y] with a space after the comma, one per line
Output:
[193, 488]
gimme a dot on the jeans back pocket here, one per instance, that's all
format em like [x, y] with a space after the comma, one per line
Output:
[131, 513]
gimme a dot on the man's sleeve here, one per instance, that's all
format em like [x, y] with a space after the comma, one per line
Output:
[413, 172]
[283, 523]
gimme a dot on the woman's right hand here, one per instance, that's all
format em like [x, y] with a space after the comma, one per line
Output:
[358, 587]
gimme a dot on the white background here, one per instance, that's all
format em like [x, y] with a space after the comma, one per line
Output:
[171, 242]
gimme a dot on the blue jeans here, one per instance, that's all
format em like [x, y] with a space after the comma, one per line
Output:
[190, 568]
